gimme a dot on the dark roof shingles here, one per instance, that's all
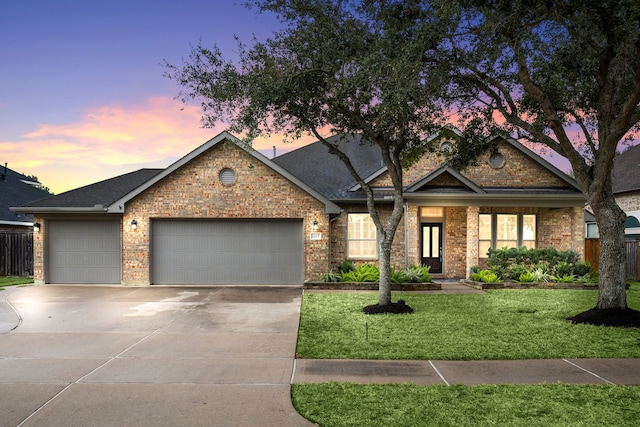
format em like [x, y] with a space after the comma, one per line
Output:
[14, 192]
[101, 193]
[325, 172]
[626, 171]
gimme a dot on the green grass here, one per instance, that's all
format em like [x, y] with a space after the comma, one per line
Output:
[501, 324]
[12, 281]
[342, 404]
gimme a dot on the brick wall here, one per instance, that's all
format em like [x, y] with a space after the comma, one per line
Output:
[195, 191]
[629, 201]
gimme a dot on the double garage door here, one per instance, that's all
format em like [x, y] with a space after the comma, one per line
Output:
[183, 252]
[227, 252]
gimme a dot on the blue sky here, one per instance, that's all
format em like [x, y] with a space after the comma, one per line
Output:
[82, 92]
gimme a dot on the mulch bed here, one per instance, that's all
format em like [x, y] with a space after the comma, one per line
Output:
[394, 308]
[621, 318]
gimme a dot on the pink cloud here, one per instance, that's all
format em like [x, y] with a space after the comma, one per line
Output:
[114, 139]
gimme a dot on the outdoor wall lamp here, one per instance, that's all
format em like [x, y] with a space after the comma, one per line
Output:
[315, 225]
[134, 224]
[36, 227]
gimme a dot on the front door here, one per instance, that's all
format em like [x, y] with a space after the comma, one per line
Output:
[432, 246]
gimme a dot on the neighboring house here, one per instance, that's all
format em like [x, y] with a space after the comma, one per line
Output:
[625, 178]
[16, 241]
[16, 190]
[226, 214]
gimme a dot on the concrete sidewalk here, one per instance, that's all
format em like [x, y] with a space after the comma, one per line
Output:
[431, 372]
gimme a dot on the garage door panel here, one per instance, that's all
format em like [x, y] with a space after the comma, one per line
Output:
[83, 252]
[227, 252]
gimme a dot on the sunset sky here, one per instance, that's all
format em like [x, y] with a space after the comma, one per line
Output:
[82, 92]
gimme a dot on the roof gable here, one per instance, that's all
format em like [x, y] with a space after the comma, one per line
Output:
[118, 206]
[444, 178]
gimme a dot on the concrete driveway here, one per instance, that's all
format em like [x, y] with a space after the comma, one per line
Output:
[158, 356]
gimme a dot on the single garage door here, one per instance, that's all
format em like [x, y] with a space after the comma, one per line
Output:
[83, 252]
[227, 252]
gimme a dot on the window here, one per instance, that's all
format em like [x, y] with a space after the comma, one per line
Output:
[484, 234]
[361, 237]
[505, 230]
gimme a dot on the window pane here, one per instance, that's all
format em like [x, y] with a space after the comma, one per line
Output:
[529, 244]
[435, 242]
[431, 212]
[426, 242]
[484, 227]
[361, 236]
[362, 249]
[507, 227]
[528, 228]
[483, 248]
[506, 244]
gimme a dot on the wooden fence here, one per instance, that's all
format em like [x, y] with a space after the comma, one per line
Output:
[16, 253]
[592, 254]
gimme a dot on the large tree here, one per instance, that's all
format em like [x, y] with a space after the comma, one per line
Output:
[339, 67]
[561, 73]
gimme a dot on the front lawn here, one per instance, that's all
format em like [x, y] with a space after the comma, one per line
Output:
[501, 324]
[12, 281]
[342, 404]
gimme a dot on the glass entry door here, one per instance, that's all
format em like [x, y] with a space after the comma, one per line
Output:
[432, 246]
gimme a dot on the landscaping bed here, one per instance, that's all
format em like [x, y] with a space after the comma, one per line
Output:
[372, 286]
[530, 285]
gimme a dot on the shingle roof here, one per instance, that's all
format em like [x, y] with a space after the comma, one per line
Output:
[325, 172]
[15, 192]
[101, 193]
[626, 171]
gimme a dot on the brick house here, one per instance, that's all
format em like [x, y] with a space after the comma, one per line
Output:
[225, 213]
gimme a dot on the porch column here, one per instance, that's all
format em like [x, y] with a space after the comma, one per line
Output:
[472, 237]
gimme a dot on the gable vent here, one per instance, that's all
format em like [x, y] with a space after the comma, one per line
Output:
[227, 176]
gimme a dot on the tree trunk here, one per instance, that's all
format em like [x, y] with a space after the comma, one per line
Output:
[612, 286]
[384, 286]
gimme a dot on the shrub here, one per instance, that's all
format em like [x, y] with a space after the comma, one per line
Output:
[398, 276]
[516, 270]
[418, 274]
[364, 273]
[569, 278]
[485, 276]
[526, 277]
[345, 266]
[511, 262]
[563, 268]
[331, 276]
[539, 275]
[582, 268]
